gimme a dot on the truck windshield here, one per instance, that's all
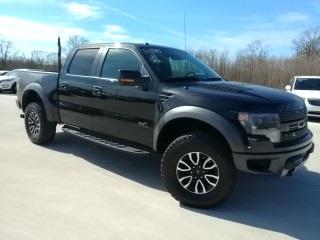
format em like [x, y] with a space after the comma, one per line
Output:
[173, 65]
[307, 84]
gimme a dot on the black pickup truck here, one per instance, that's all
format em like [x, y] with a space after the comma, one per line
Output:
[143, 98]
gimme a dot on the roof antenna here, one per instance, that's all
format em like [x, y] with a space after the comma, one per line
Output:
[185, 42]
[185, 32]
[59, 55]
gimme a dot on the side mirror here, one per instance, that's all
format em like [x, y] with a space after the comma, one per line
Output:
[133, 78]
[288, 88]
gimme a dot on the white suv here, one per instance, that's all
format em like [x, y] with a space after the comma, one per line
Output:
[9, 81]
[308, 88]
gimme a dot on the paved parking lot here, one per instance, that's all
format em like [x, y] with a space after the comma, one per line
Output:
[72, 189]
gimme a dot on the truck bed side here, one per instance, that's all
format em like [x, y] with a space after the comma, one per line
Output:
[42, 85]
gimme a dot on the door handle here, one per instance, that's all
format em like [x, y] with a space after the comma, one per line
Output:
[97, 90]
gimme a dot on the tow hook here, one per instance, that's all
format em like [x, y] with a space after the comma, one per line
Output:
[289, 173]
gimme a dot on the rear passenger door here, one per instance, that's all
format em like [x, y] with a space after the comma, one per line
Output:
[75, 89]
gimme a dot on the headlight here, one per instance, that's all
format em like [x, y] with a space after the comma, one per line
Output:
[265, 124]
[6, 80]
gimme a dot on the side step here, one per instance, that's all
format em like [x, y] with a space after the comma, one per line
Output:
[104, 142]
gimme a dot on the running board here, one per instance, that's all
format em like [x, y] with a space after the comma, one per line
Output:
[104, 142]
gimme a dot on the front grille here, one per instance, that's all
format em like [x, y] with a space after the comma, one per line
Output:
[289, 116]
[294, 118]
[315, 102]
[290, 136]
[314, 113]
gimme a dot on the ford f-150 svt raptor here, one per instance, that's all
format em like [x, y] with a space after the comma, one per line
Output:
[141, 98]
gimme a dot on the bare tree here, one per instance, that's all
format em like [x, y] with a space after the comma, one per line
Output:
[6, 47]
[308, 43]
[256, 50]
[38, 57]
[52, 58]
[209, 56]
[75, 41]
[248, 64]
[52, 61]
[223, 62]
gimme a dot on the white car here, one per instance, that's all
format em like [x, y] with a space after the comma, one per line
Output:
[9, 81]
[3, 72]
[308, 88]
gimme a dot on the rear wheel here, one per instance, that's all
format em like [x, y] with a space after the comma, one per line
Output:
[39, 129]
[198, 171]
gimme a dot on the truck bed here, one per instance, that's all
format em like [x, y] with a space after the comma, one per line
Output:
[47, 79]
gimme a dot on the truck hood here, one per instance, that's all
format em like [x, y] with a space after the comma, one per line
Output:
[235, 96]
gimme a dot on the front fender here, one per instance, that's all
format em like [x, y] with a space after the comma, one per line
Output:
[202, 114]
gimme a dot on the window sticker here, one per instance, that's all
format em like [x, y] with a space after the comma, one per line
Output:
[152, 53]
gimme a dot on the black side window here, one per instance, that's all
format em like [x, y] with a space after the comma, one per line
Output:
[119, 59]
[82, 61]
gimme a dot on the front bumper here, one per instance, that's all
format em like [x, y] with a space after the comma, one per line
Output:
[281, 162]
[5, 85]
[313, 111]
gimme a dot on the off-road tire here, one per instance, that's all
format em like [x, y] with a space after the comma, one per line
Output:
[14, 88]
[35, 116]
[204, 143]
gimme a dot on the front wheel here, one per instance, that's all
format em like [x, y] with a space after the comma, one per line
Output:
[198, 171]
[14, 88]
[39, 129]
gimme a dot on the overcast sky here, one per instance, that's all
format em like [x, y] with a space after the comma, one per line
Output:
[35, 24]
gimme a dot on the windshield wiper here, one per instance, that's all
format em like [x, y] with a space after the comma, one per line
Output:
[192, 79]
[183, 79]
[214, 79]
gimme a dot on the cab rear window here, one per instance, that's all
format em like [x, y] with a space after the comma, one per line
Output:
[82, 62]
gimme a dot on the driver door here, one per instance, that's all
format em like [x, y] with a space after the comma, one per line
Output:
[125, 112]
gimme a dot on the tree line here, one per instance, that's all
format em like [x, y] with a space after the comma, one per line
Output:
[253, 64]
[11, 58]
